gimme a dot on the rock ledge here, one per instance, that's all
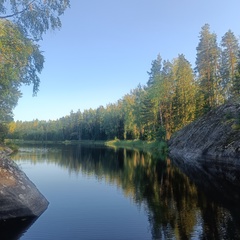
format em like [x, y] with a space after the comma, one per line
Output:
[216, 135]
[19, 197]
[208, 151]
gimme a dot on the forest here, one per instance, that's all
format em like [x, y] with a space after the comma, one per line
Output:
[175, 94]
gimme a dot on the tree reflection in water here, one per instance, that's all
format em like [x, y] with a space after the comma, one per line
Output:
[176, 207]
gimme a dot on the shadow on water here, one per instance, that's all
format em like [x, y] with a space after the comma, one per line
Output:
[218, 186]
[14, 229]
[178, 205]
[219, 178]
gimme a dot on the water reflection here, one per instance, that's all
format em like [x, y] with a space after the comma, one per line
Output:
[176, 207]
[13, 229]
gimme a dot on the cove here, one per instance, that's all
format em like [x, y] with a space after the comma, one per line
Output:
[97, 192]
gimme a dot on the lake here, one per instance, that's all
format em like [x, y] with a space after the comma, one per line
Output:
[104, 193]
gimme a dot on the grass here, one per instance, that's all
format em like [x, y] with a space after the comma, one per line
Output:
[154, 147]
[4, 147]
[236, 127]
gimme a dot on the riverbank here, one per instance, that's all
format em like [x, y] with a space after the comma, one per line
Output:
[154, 147]
[5, 150]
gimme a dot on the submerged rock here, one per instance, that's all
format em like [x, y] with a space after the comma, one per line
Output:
[19, 197]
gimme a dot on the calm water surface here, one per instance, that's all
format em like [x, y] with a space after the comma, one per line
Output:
[102, 193]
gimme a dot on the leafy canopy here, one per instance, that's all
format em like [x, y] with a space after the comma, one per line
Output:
[34, 17]
[22, 25]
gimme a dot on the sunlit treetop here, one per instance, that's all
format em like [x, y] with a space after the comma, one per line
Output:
[20, 63]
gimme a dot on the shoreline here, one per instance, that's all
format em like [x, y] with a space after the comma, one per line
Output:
[154, 147]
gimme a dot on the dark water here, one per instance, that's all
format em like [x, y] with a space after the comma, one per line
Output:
[102, 193]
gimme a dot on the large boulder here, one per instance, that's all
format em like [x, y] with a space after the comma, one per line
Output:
[208, 151]
[19, 197]
[216, 135]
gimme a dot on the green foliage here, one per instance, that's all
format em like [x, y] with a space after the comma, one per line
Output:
[161, 134]
[207, 67]
[173, 97]
[236, 82]
[157, 148]
[155, 70]
[184, 100]
[229, 62]
[3, 132]
[236, 125]
[11, 145]
[33, 17]
[228, 117]
[22, 24]
[20, 63]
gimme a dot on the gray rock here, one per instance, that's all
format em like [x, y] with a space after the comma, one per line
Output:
[215, 135]
[208, 151]
[19, 197]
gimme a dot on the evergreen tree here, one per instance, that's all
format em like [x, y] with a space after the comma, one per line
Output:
[166, 85]
[161, 94]
[147, 117]
[155, 70]
[130, 128]
[236, 82]
[184, 102]
[230, 51]
[139, 94]
[207, 62]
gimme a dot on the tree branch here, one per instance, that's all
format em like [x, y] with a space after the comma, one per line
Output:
[17, 13]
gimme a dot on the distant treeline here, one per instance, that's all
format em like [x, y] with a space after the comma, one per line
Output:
[175, 95]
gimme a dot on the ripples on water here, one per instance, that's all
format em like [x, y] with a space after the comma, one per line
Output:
[102, 193]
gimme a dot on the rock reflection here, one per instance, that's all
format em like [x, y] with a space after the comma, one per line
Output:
[177, 208]
[14, 229]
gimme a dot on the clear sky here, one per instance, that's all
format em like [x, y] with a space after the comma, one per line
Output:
[105, 48]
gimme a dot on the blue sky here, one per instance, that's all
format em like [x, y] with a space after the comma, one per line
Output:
[105, 48]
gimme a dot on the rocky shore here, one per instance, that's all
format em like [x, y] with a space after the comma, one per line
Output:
[216, 135]
[19, 197]
[208, 151]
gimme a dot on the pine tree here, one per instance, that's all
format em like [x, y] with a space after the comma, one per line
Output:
[147, 117]
[207, 69]
[230, 50]
[155, 70]
[161, 94]
[236, 82]
[184, 102]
